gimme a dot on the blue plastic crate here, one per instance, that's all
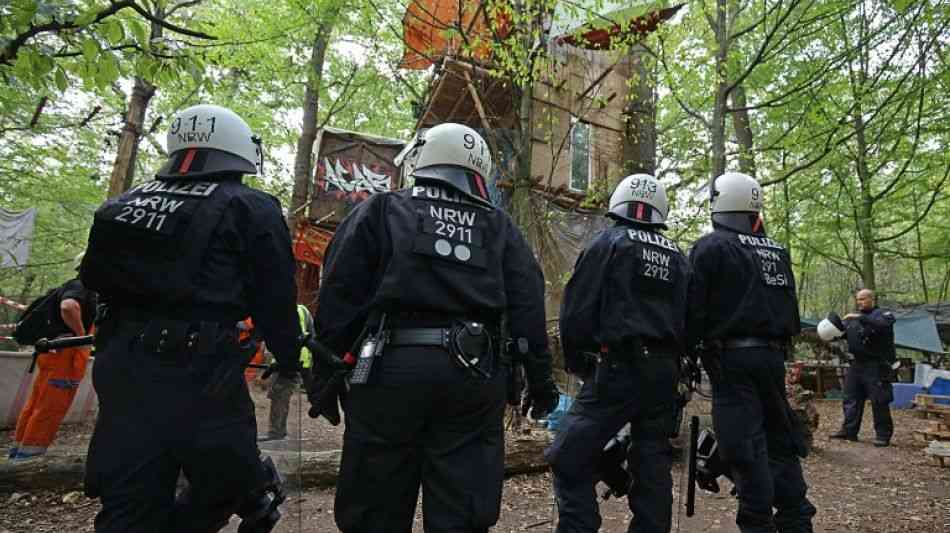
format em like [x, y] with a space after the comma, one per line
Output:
[941, 387]
[904, 394]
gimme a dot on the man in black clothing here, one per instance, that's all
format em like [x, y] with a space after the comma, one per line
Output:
[870, 334]
[622, 328]
[421, 279]
[179, 261]
[743, 310]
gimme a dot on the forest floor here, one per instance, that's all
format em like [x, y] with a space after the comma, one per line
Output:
[855, 486]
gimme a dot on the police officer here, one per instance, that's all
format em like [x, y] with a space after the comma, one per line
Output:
[742, 306]
[870, 334]
[179, 261]
[426, 274]
[622, 327]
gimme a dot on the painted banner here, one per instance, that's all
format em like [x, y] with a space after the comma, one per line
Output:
[350, 167]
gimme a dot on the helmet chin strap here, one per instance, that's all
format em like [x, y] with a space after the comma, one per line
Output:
[743, 222]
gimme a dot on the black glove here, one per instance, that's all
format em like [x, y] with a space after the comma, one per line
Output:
[541, 400]
[329, 381]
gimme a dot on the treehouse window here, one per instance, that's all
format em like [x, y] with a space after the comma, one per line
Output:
[580, 155]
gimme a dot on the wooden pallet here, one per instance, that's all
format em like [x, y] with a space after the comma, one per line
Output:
[927, 436]
[929, 401]
[926, 406]
[936, 426]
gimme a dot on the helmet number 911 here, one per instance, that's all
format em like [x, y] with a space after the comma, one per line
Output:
[176, 125]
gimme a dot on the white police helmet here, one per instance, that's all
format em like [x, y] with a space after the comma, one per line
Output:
[452, 154]
[736, 192]
[831, 328]
[205, 140]
[640, 198]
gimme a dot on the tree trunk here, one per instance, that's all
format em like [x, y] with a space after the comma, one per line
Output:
[865, 220]
[719, 107]
[303, 160]
[520, 193]
[920, 249]
[312, 469]
[743, 126]
[639, 139]
[123, 170]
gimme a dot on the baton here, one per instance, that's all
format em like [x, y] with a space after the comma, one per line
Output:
[45, 345]
[691, 476]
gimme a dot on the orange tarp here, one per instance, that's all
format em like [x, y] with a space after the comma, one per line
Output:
[433, 29]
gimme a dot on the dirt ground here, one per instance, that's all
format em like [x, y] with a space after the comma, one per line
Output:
[856, 487]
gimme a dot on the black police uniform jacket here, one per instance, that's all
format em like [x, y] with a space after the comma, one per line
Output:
[428, 249]
[198, 250]
[629, 284]
[741, 285]
[871, 336]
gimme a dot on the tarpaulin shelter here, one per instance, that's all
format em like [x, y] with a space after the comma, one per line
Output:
[433, 29]
[16, 236]
[598, 25]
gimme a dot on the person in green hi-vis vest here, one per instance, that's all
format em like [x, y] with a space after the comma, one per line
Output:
[282, 388]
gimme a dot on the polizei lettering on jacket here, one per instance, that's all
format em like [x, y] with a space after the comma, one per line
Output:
[432, 192]
[648, 237]
[771, 259]
[759, 242]
[185, 188]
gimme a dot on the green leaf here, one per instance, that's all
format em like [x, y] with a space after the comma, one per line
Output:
[86, 17]
[90, 50]
[138, 30]
[108, 70]
[61, 81]
[114, 32]
[901, 5]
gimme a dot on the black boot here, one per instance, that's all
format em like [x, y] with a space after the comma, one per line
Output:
[842, 434]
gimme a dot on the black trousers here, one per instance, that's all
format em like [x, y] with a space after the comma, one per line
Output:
[642, 393]
[863, 382]
[422, 421]
[759, 440]
[154, 422]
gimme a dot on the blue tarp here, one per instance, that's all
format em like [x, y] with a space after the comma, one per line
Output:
[915, 330]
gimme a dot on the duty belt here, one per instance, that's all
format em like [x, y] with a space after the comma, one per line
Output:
[437, 337]
[754, 342]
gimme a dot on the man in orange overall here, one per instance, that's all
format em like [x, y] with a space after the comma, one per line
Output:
[245, 332]
[60, 372]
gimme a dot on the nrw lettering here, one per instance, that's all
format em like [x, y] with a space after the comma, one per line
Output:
[157, 203]
[195, 136]
[656, 257]
[455, 216]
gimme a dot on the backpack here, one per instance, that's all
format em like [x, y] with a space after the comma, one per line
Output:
[40, 319]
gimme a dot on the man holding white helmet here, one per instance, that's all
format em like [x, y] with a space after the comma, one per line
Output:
[622, 328]
[418, 281]
[179, 261]
[742, 311]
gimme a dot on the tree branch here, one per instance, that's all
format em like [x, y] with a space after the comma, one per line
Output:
[168, 25]
[10, 51]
